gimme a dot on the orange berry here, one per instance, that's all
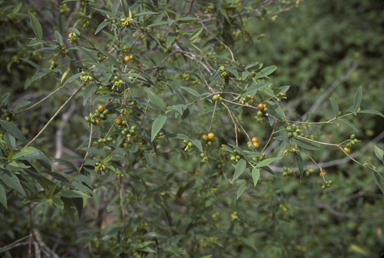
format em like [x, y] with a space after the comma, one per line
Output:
[127, 59]
[260, 106]
[211, 136]
[118, 121]
[255, 139]
[97, 122]
[322, 174]
[100, 108]
[255, 145]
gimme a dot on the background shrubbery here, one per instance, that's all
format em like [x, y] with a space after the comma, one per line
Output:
[162, 198]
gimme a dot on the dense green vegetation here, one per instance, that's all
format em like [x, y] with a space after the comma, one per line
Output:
[165, 128]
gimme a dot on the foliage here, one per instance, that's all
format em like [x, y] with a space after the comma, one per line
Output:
[172, 139]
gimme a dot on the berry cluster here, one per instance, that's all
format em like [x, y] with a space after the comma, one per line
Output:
[188, 145]
[247, 100]
[53, 65]
[352, 141]
[262, 110]
[217, 97]
[86, 77]
[293, 131]
[7, 116]
[208, 139]
[72, 37]
[235, 156]
[254, 143]
[99, 114]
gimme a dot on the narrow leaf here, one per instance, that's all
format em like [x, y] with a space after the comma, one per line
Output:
[379, 181]
[349, 124]
[11, 180]
[240, 168]
[195, 34]
[3, 196]
[36, 26]
[13, 130]
[241, 190]
[357, 99]
[157, 125]
[334, 106]
[306, 144]
[379, 153]
[255, 175]
[267, 162]
[371, 112]
[156, 100]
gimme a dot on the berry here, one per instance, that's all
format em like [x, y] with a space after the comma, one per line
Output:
[255, 139]
[215, 97]
[352, 137]
[295, 134]
[347, 150]
[259, 113]
[87, 118]
[322, 174]
[211, 136]
[260, 106]
[118, 121]
[100, 108]
[127, 59]
[204, 137]
[255, 145]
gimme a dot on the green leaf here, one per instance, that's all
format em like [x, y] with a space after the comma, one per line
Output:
[11, 180]
[371, 112]
[267, 162]
[21, 154]
[101, 26]
[72, 78]
[349, 124]
[154, 235]
[255, 175]
[33, 64]
[88, 92]
[79, 204]
[299, 161]
[214, 76]
[73, 194]
[195, 34]
[171, 38]
[3, 196]
[13, 130]
[21, 105]
[306, 144]
[335, 106]
[379, 180]
[188, 18]
[157, 125]
[248, 243]
[233, 71]
[379, 153]
[277, 109]
[251, 65]
[192, 91]
[10, 155]
[266, 71]
[155, 100]
[95, 151]
[58, 37]
[357, 99]
[36, 26]
[125, 6]
[111, 58]
[240, 168]
[241, 190]
[254, 87]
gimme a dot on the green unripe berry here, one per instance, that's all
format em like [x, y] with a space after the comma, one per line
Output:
[295, 135]
[259, 113]
[352, 137]
[289, 135]
[87, 118]
[289, 129]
